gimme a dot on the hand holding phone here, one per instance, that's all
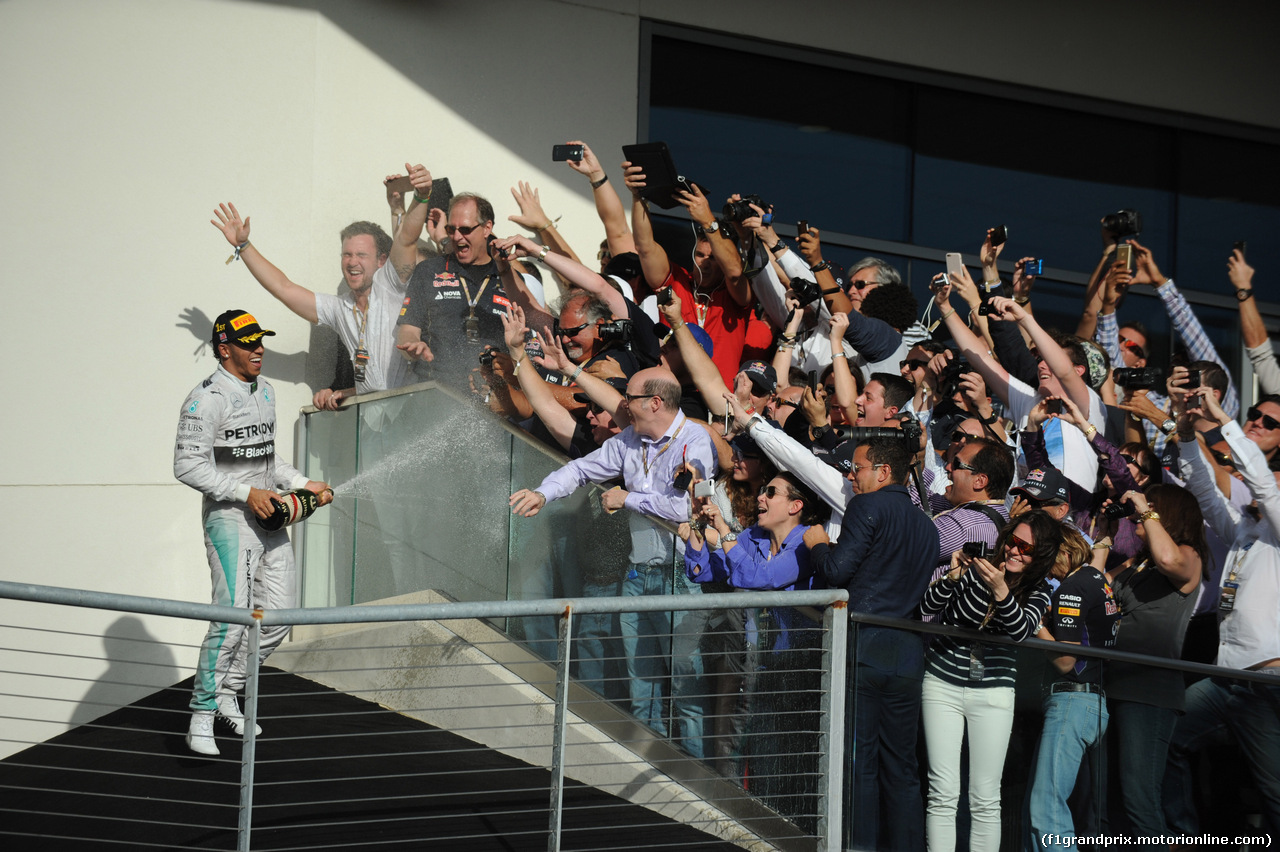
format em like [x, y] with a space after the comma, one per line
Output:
[562, 153]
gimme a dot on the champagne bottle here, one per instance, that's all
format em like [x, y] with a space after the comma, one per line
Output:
[292, 507]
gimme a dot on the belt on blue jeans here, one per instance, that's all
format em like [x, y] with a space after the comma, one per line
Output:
[1072, 686]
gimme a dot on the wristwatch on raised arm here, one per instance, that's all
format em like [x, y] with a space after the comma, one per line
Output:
[1168, 426]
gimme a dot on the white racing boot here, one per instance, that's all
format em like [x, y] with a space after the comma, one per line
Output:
[200, 733]
[229, 711]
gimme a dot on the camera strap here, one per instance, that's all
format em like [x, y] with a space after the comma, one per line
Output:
[991, 513]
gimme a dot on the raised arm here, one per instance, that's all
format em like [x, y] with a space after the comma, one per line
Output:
[570, 270]
[608, 204]
[705, 373]
[293, 296]
[1054, 355]
[653, 257]
[995, 375]
[533, 217]
[723, 250]
[846, 387]
[836, 300]
[1252, 329]
[1184, 321]
[559, 422]
[404, 244]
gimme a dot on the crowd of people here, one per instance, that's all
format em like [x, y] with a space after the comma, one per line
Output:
[774, 422]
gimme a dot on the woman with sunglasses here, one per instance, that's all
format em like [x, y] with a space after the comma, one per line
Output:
[1156, 590]
[770, 554]
[968, 685]
[727, 656]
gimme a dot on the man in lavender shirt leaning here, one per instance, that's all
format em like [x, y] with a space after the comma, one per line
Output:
[647, 455]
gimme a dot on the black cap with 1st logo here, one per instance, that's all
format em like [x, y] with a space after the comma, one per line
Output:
[237, 327]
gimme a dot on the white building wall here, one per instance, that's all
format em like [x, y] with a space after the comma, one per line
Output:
[126, 121]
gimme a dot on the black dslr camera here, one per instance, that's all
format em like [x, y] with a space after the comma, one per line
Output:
[977, 550]
[739, 211]
[1139, 378]
[1123, 223]
[806, 291]
[617, 331]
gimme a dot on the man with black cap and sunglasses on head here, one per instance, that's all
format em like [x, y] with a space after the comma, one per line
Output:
[226, 450]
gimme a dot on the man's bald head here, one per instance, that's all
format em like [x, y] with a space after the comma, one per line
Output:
[659, 382]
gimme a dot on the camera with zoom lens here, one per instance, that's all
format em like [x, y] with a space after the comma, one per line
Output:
[977, 550]
[740, 211]
[1139, 378]
[806, 291]
[1123, 223]
[910, 433]
[617, 331]
[486, 358]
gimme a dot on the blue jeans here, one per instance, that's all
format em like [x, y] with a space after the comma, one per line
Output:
[595, 638]
[888, 673]
[649, 639]
[1073, 721]
[1142, 735]
[1216, 706]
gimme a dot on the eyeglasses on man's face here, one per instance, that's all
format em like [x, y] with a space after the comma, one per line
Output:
[465, 230]
[912, 364]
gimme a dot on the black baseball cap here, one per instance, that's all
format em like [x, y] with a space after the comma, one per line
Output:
[238, 327]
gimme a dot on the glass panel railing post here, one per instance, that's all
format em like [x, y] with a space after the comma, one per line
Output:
[831, 740]
[564, 652]
[248, 754]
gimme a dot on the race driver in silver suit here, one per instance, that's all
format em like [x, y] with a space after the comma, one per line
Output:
[226, 450]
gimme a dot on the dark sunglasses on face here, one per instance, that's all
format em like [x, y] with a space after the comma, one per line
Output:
[771, 491]
[913, 364]
[958, 437]
[465, 230]
[956, 464]
[862, 285]
[1128, 459]
[1223, 459]
[1019, 546]
[1268, 422]
[594, 409]
[569, 332]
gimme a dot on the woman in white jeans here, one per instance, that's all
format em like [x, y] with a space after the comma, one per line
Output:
[969, 685]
